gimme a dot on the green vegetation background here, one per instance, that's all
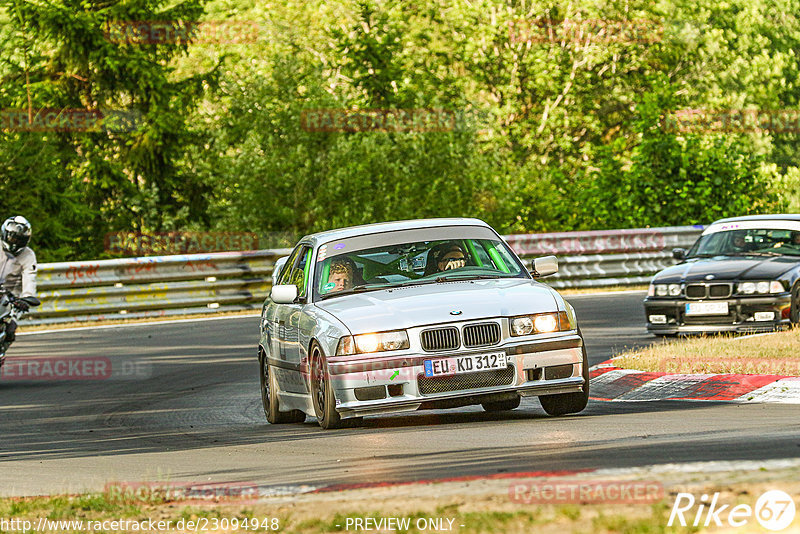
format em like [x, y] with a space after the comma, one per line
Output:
[553, 135]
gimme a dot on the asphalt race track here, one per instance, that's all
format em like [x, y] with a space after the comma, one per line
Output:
[191, 412]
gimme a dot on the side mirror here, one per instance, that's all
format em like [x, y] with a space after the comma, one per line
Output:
[31, 301]
[679, 253]
[277, 268]
[544, 266]
[283, 294]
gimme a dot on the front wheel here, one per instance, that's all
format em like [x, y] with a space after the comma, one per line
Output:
[569, 402]
[269, 397]
[322, 391]
[794, 311]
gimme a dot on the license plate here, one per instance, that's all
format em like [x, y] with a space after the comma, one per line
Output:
[465, 364]
[706, 308]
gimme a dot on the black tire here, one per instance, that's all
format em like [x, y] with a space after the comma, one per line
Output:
[322, 391]
[569, 402]
[502, 406]
[270, 401]
[794, 311]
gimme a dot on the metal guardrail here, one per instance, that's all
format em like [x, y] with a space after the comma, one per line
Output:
[604, 258]
[162, 286]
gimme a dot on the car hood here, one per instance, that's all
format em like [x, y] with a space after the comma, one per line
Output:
[728, 268]
[412, 306]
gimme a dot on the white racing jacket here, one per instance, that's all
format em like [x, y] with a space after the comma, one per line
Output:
[18, 273]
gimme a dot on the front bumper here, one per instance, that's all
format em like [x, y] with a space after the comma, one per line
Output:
[740, 317]
[378, 385]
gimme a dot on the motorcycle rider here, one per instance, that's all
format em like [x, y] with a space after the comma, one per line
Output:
[17, 266]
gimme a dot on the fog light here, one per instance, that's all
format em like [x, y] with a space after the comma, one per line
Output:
[764, 316]
[658, 319]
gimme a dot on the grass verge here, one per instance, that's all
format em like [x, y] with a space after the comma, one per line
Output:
[771, 354]
[590, 290]
[467, 515]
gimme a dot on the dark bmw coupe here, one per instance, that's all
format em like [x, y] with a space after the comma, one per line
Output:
[742, 275]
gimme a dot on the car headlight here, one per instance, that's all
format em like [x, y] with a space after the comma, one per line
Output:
[762, 288]
[377, 342]
[541, 323]
[674, 290]
[747, 288]
[662, 290]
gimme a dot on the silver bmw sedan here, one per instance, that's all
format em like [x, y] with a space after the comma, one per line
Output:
[403, 316]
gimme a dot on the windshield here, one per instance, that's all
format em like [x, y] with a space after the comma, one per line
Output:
[753, 242]
[412, 262]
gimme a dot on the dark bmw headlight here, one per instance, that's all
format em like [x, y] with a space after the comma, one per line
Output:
[663, 290]
[759, 288]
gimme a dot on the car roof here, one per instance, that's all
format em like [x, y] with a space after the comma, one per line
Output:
[778, 217]
[393, 226]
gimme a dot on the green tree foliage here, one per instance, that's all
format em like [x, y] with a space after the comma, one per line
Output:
[561, 117]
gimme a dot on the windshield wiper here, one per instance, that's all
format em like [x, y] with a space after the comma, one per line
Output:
[357, 289]
[756, 253]
[447, 278]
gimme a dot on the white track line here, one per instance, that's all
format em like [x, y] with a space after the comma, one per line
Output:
[126, 325]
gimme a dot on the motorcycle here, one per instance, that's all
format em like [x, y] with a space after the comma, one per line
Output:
[10, 311]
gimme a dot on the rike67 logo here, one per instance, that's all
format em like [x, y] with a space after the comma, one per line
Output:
[774, 510]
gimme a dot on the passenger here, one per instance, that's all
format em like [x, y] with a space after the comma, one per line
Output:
[342, 274]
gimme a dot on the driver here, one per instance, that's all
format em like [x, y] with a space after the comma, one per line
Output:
[448, 256]
[739, 241]
[17, 266]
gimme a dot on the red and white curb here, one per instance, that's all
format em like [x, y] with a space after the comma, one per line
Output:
[611, 383]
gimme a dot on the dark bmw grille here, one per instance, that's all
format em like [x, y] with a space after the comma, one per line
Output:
[482, 379]
[695, 291]
[719, 291]
[714, 291]
[481, 335]
[440, 339]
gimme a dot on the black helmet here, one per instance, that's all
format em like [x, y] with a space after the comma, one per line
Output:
[15, 234]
